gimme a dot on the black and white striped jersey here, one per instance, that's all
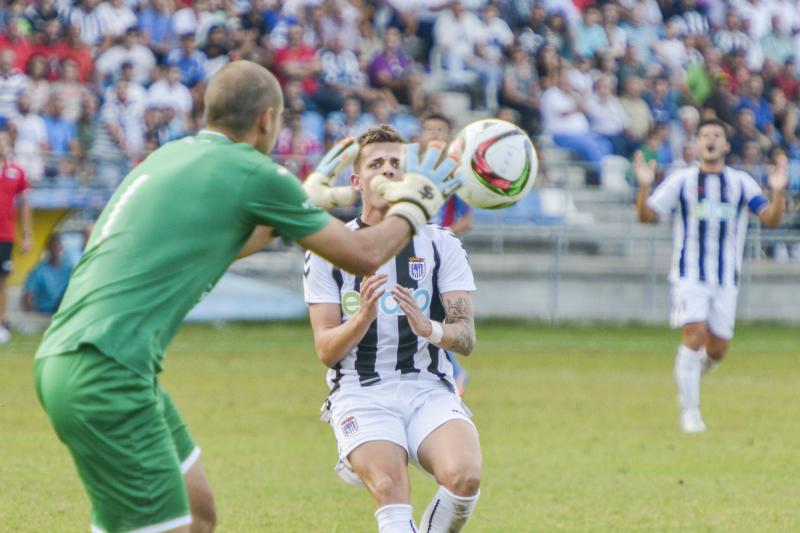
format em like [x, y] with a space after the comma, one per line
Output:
[710, 224]
[434, 262]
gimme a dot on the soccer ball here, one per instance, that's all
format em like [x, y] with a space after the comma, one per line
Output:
[498, 162]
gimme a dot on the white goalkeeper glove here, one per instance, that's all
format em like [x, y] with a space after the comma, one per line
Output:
[319, 184]
[423, 188]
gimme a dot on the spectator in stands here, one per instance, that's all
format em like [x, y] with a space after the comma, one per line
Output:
[118, 136]
[787, 80]
[130, 51]
[640, 120]
[640, 33]
[548, 65]
[589, 33]
[531, 36]
[52, 46]
[606, 115]
[392, 69]
[136, 93]
[170, 92]
[671, 51]
[558, 35]
[753, 98]
[87, 125]
[39, 12]
[46, 283]
[295, 148]
[656, 146]
[70, 90]
[661, 100]
[30, 139]
[38, 86]
[498, 35]
[746, 131]
[683, 133]
[77, 52]
[62, 135]
[777, 44]
[216, 49]
[298, 60]
[564, 118]
[115, 18]
[701, 77]
[189, 18]
[341, 76]
[461, 38]
[189, 60]
[617, 38]
[84, 16]
[13, 186]
[521, 89]
[351, 122]
[155, 25]
[786, 116]
[12, 39]
[630, 65]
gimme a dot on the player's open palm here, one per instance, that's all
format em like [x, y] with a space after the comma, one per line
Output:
[645, 172]
[371, 292]
[419, 323]
[778, 176]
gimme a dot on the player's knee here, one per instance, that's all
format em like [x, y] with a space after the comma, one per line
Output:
[384, 486]
[694, 337]
[717, 351]
[462, 480]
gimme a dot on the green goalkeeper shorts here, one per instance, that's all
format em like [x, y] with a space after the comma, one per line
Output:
[126, 438]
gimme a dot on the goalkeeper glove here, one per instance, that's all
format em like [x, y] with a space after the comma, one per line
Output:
[423, 188]
[319, 184]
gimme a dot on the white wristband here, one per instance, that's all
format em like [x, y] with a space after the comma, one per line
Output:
[436, 333]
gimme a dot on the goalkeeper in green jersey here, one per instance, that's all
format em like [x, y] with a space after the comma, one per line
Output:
[169, 232]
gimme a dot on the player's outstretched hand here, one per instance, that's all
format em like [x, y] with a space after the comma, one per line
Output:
[778, 174]
[423, 188]
[319, 184]
[645, 172]
[371, 291]
[419, 323]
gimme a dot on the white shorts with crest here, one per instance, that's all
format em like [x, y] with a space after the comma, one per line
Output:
[403, 412]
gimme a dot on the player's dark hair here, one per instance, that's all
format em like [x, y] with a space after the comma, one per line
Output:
[713, 122]
[379, 134]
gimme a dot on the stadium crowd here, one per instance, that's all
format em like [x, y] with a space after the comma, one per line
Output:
[88, 88]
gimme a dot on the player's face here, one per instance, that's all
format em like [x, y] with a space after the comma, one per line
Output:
[712, 145]
[377, 159]
[434, 130]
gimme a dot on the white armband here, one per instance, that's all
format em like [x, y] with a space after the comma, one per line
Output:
[436, 333]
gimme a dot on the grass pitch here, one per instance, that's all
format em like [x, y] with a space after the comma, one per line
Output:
[579, 429]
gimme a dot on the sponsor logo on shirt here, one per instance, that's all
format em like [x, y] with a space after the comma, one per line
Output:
[709, 210]
[387, 305]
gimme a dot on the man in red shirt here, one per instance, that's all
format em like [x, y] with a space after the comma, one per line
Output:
[21, 45]
[12, 186]
[298, 61]
[52, 47]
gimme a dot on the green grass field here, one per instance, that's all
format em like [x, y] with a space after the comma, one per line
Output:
[578, 427]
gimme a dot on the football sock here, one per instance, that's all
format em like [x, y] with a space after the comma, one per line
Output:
[447, 512]
[395, 518]
[688, 367]
[708, 363]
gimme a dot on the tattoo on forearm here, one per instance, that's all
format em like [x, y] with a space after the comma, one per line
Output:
[458, 312]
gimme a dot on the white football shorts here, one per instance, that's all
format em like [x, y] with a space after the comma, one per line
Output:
[403, 412]
[693, 301]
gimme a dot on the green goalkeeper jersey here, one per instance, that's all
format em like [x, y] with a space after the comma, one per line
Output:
[167, 235]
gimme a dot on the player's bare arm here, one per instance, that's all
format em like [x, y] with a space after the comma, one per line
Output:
[335, 339]
[645, 175]
[458, 330]
[778, 179]
[359, 252]
[258, 240]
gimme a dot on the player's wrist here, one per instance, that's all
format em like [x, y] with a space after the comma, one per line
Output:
[411, 213]
[437, 333]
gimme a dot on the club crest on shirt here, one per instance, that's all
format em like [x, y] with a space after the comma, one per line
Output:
[416, 268]
[349, 426]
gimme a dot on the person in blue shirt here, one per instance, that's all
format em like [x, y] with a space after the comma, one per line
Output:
[47, 282]
[190, 60]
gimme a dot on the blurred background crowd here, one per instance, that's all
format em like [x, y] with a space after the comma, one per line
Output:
[88, 88]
